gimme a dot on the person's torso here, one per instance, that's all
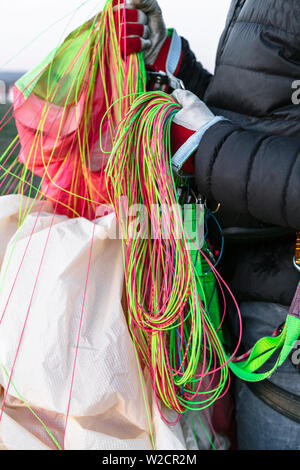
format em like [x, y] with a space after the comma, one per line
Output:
[258, 63]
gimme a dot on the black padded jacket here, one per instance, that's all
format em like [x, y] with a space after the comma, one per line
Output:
[250, 164]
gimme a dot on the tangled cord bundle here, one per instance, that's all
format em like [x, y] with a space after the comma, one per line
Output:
[168, 317]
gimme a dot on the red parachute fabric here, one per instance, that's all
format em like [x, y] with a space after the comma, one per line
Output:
[65, 106]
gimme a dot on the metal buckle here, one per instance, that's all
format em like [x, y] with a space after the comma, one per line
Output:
[165, 79]
[175, 83]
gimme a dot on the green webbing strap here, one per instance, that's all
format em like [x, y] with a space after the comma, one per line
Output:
[266, 347]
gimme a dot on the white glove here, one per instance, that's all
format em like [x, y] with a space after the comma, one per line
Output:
[194, 113]
[157, 27]
[191, 123]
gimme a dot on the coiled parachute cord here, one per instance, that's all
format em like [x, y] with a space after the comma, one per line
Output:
[168, 321]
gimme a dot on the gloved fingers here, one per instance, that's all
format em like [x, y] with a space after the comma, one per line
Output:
[146, 44]
[134, 30]
[129, 30]
[128, 3]
[148, 6]
[194, 113]
[145, 12]
[185, 98]
[128, 15]
[119, 4]
[178, 96]
[132, 45]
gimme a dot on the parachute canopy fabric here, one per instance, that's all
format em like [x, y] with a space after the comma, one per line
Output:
[58, 108]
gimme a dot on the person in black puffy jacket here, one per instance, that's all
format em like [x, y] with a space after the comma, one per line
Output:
[248, 161]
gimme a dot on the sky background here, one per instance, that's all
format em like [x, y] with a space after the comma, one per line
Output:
[22, 46]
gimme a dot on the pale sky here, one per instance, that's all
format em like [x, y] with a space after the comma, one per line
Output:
[22, 46]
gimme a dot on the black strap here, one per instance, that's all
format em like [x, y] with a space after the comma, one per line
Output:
[285, 403]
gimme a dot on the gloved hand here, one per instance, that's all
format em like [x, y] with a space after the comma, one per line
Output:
[142, 27]
[188, 128]
[194, 113]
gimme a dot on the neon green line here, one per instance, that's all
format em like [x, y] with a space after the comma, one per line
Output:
[33, 412]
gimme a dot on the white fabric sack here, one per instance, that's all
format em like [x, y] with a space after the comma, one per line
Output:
[110, 396]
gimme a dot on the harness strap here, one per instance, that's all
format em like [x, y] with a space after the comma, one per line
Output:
[285, 403]
[266, 347]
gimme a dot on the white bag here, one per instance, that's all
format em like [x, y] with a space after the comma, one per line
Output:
[43, 301]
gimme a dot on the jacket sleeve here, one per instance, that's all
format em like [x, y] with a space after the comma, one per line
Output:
[192, 73]
[251, 173]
